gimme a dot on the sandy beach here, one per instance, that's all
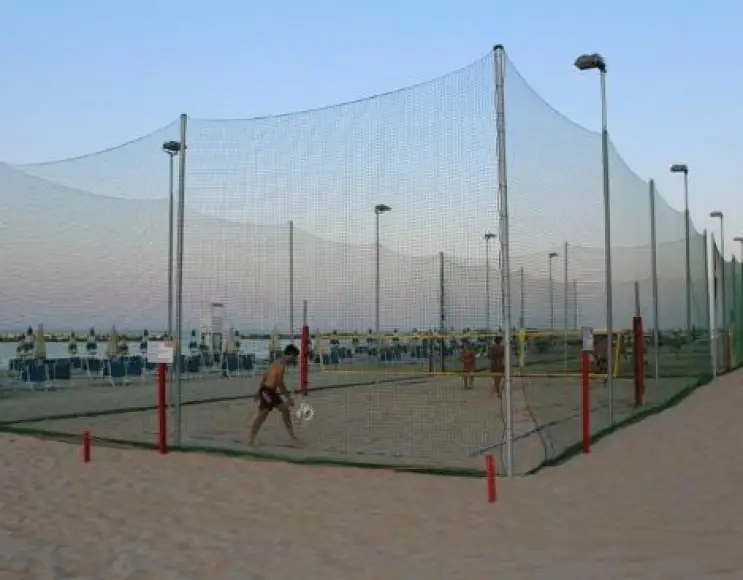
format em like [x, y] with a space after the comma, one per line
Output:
[658, 500]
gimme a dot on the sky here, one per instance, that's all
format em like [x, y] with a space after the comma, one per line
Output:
[80, 76]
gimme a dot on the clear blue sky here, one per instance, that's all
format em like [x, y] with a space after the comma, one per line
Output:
[78, 76]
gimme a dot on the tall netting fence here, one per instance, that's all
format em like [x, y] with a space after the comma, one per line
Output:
[727, 286]
[376, 223]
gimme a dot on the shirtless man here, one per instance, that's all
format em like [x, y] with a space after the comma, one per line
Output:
[468, 358]
[269, 394]
[496, 354]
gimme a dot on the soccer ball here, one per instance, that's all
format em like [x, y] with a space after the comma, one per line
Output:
[304, 412]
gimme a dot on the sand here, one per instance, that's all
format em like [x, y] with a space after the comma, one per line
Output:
[408, 420]
[657, 500]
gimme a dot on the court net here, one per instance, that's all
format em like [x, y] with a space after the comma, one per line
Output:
[382, 216]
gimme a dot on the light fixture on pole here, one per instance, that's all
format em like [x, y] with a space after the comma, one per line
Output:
[588, 62]
[487, 237]
[172, 148]
[379, 209]
[684, 169]
[551, 256]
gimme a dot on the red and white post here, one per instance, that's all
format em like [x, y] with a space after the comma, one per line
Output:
[162, 408]
[490, 478]
[585, 387]
[86, 446]
[304, 353]
[638, 350]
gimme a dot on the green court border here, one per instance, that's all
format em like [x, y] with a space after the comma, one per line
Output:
[570, 452]
[246, 454]
[576, 448]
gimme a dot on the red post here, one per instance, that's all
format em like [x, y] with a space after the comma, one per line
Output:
[304, 357]
[162, 410]
[490, 477]
[585, 406]
[86, 446]
[638, 347]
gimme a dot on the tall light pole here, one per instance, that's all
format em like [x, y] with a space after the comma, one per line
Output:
[172, 148]
[684, 169]
[719, 215]
[379, 209]
[487, 237]
[551, 256]
[587, 62]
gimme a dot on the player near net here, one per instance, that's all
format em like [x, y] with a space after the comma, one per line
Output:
[496, 356]
[271, 391]
[468, 358]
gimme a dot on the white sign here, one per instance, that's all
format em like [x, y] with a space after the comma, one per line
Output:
[586, 336]
[160, 352]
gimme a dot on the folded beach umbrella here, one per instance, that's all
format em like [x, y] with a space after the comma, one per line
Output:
[143, 341]
[273, 343]
[237, 340]
[72, 344]
[193, 344]
[229, 347]
[91, 345]
[112, 348]
[40, 346]
[28, 341]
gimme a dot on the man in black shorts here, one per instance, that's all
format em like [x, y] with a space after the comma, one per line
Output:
[270, 393]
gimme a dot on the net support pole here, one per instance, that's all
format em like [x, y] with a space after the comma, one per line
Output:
[565, 310]
[521, 291]
[654, 274]
[500, 118]
[179, 278]
[723, 284]
[585, 399]
[170, 246]
[575, 304]
[487, 283]
[291, 283]
[442, 315]
[607, 246]
[733, 333]
[711, 307]
[687, 227]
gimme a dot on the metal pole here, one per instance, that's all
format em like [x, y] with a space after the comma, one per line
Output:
[179, 278]
[291, 281]
[687, 228]
[442, 315]
[521, 310]
[170, 250]
[637, 299]
[607, 247]
[654, 273]
[376, 292]
[565, 307]
[552, 298]
[734, 313]
[500, 118]
[487, 283]
[710, 302]
[575, 304]
[724, 293]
